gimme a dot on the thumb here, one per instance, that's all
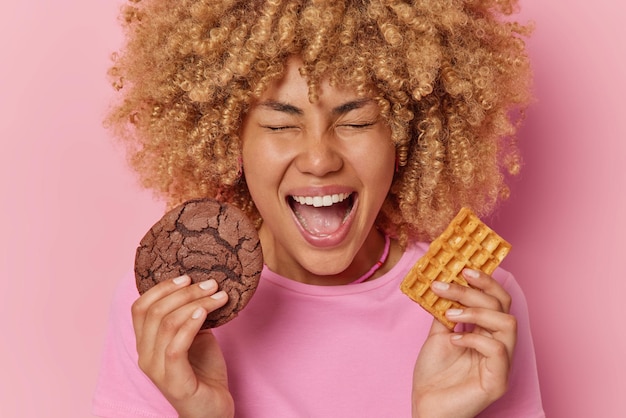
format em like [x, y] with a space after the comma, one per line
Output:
[438, 328]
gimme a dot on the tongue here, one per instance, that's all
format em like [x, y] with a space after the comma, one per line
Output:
[323, 220]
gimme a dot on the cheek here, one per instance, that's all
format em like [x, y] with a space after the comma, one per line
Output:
[382, 175]
[261, 161]
[255, 177]
[377, 162]
[263, 168]
[377, 168]
[252, 151]
[250, 165]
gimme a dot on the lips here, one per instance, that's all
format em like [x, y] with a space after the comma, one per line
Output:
[322, 215]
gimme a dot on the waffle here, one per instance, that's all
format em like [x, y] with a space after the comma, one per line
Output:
[466, 242]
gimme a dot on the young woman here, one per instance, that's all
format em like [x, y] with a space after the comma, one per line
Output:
[351, 131]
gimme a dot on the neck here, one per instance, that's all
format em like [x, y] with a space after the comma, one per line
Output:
[372, 259]
[381, 261]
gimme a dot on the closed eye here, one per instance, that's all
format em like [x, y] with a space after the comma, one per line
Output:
[277, 128]
[357, 125]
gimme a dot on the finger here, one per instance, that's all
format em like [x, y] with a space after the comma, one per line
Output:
[438, 328]
[167, 345]
[489, 286]
[495, 298]
[497, 362]
[169, 327]
[493, 324]
[187, 333]
[141, 306]
[178, 370]
[465, 295]
[165, 315]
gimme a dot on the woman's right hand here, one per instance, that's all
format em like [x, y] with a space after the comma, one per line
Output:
[186, 364]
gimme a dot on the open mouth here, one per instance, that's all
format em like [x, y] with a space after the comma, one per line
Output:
[322, 215]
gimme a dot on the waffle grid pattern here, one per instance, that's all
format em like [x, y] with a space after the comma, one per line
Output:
[466, 242]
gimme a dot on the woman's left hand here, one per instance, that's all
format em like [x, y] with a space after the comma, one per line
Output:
[460, 374]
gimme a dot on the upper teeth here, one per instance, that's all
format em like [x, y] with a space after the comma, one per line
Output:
[318, 201]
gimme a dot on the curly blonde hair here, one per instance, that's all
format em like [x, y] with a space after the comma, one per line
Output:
[452, 78]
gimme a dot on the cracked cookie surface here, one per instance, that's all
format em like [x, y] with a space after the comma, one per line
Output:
[204, 239]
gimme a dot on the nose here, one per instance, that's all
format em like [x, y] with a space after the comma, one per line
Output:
[319, 155]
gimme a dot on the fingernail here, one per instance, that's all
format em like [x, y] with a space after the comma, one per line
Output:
[454, 312]
[197, 313]
[219, 295]
[181, 280]
[208, 284]
[456, 336]
[472, 274]
[440, 285]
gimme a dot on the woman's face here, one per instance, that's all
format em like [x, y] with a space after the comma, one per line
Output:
[318, 174]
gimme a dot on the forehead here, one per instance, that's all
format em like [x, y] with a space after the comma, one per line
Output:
[293, 87]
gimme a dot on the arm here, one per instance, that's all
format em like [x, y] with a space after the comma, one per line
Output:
[185, 364]
[460, 374]
[123, 390]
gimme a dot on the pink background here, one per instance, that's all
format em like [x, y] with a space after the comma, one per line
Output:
[72, 214]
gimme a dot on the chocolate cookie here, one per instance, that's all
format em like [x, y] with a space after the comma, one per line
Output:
[204, 239]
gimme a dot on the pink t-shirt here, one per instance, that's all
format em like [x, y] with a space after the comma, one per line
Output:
[299, 350]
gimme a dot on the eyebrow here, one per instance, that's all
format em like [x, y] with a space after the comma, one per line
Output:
[282, 107]
[349, 106]
[293, 110]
